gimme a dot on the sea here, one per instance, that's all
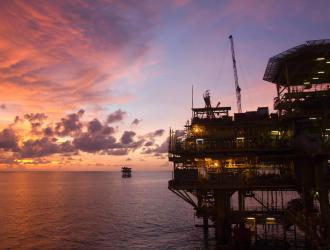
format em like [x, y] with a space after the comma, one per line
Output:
[94, 210]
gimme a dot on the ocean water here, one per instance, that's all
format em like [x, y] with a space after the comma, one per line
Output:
[94, 210]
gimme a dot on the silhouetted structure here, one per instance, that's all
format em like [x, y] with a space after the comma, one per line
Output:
[237, 88]
[126, 172]
[263, 157]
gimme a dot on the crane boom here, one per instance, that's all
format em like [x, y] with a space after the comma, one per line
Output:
[237, 88]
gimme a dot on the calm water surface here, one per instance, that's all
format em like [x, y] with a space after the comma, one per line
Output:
[94, 210]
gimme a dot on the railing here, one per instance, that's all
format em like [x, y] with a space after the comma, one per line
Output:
[191, 176]
[177, 146]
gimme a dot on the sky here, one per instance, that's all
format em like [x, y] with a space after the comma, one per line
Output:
[95, 85]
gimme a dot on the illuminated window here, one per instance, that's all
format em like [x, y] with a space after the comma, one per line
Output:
[199, 141]
[275, 132]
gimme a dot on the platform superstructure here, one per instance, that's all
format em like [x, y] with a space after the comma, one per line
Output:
[126, 172]
[279, 161]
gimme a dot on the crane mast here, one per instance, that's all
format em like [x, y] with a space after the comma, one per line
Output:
[237, 88]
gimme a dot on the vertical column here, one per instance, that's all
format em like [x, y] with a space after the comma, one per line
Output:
[305, 173]
[241, 201]
[222, 209]
[205, 226]
[321, 188]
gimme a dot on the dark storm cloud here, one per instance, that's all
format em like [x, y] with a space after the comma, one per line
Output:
[116, 116]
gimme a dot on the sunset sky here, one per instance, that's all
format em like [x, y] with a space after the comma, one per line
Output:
[94, 85]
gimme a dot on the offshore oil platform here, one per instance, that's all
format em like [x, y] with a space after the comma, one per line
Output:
[261, 180]
[126, 172]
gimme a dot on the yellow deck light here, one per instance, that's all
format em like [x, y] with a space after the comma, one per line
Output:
[270, 220]
[320, 59]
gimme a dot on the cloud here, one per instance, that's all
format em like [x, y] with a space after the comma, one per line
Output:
[3, 106]
[135, 122]
[180, 133]
[8, 139]
[108, 130]
[94, 143]
[150, 138]
[116, 116]
[127, 137]
[70, 136]
[158, 150]
[48, 131]
[36, 121]
[32, 117]
[118, 151]
[149, 144]
[70, 125]
[94, 126]
[158, 132]
[65, 54]
[38, 148]
[163, 148]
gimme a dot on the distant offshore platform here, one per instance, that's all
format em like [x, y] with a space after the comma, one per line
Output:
[126, 172]
[262, 180]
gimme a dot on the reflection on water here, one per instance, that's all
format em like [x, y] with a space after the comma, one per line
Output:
[94, 209]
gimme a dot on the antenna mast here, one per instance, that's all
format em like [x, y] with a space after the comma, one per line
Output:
[237, 88]
[192, 100]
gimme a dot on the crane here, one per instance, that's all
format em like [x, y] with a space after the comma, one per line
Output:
[237, 88]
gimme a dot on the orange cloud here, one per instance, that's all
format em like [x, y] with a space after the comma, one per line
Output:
[60, 55]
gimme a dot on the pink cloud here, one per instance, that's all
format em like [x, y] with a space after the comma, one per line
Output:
[64, 54]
